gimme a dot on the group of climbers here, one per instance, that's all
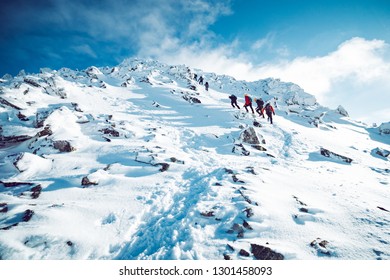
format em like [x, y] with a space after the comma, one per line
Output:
[269, 110]
[201, 80]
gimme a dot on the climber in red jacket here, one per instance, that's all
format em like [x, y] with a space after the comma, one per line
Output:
[248, 102]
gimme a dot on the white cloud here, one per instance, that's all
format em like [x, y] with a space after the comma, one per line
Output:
[85, 49]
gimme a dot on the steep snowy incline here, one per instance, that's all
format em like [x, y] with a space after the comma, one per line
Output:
[139, 161]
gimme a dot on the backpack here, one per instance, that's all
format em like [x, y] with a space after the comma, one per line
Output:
[268, 109]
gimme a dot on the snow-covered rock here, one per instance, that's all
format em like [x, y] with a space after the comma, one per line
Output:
[340, 109]
[384, 128]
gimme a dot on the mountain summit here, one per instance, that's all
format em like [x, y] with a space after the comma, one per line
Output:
[140, 161]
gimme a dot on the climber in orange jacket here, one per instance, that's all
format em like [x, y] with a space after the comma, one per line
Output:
[269, 110]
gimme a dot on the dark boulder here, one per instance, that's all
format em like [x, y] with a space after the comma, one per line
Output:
[3, 207]
[250, 136]
[321, 246]
[8, 141]
[110, 131]
[265, 253]
[208, 214]
[86, 182]
[240, 149]
[381, 152]
[36, 191]
[243, 253]
[9, 104]
[45, 132]
[27, 215]
[22, 117]
[63, 146]
[329, 154]
[164, 166]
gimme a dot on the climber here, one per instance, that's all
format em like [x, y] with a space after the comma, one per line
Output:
[260, 104]
[269, 110]
[233, 99]
[200, 80]
[248, 102]
[195, 77]
[206, 85]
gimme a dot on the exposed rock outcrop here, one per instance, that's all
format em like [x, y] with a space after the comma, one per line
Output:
[329, 154]
[63, 146]
[265, 253]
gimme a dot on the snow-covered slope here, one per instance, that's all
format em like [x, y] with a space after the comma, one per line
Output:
[139, 161]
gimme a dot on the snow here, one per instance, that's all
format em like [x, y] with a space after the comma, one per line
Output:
[166, 184]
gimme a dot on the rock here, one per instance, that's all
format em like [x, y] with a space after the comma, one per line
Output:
[340, 109]
[329, 154]
[243, 253]
[22, 117]
[320, 246]
[31, 82]
[191, 99]
[249, 212]
[36, 191]
[236, 228]
[63, 146]
[15, 184]
[227, 257]
[173, 159]
[250, 136]
[208, 214]
[3, 207]
[259, 147]
[40, 118]
[110, 131]
[86, 182]
[246, 198]
[76, 107]
[9, 104]
[304, 210]
[383, 209]
[27, 215]
[256, 124]
[164, 166]
[384, 128]
[236, 180]
[239, 149]
[8, 141]
[265, 253]
[45, 132]
[228, 171]
[381, 152]
[251, 169]
[247, 225]
[230, 247]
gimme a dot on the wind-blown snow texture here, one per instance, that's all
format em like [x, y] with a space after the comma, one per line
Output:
[139, 161]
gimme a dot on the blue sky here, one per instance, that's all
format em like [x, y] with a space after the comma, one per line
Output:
[336, 50]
